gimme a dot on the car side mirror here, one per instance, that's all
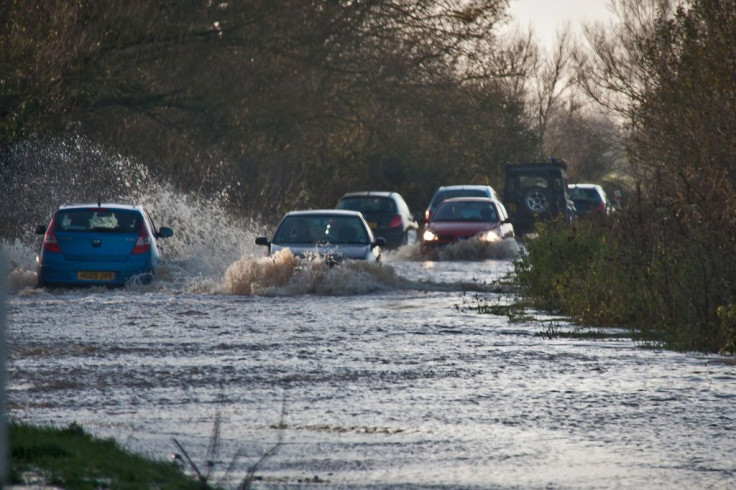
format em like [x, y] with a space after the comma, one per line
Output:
[380, 242]
[40, 230]
[262, 240]
[506, 221]
[165, 232]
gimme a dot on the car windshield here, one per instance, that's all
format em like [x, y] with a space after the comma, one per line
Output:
[319, 229]
[466, 211]
[368, 204]
[107, 220]
[448, 194]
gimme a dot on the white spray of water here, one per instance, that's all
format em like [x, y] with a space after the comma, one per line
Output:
[207, 237]
[21, 260]
[466, 250]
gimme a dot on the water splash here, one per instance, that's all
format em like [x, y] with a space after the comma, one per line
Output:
[467, 250]
[20, 258]
[285, 274]
[207, 238]
[41, 175]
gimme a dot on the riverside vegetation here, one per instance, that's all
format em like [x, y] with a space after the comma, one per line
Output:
[597, 273]
[72, 459]
[665, 263]
[271, 106]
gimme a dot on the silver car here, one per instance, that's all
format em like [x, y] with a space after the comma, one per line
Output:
[329, 233]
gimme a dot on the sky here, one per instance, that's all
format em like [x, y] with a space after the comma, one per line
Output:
[546, 16]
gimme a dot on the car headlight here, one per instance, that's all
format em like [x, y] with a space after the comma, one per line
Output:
[490, 236]
[429, 236]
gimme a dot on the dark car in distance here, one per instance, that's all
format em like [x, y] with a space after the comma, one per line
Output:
[537, 192]
[386, 213]
[589, 199]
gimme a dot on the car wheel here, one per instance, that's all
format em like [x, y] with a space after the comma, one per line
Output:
[410, 237]
[537, 200]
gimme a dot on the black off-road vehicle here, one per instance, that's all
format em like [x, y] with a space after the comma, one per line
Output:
[537, 191]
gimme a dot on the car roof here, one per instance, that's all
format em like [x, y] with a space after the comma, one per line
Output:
[464, 187]
[322, 212]
[102, 205]
[468, 199]
[369, 194]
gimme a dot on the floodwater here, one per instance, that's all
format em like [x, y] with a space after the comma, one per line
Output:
[366, 376]
[405, 374]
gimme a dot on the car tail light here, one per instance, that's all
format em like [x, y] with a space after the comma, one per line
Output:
[50, 244]
[395, 222]
[601, 207]
[143, 244]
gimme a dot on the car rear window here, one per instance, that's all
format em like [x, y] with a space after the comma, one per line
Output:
[106, 220]
[442, 195]
[368, 204]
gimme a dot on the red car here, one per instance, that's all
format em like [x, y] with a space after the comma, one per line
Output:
[465, 218]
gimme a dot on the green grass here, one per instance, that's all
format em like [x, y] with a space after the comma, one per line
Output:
[74, 460]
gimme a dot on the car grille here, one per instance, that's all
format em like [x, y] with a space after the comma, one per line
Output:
[450, 238]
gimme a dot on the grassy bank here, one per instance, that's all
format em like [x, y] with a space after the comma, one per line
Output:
[74, 460]
[626, 273]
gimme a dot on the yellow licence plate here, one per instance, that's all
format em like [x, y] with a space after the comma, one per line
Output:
[373, 224]
[95, 276]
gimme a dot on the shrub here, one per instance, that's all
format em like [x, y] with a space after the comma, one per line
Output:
[638, 271]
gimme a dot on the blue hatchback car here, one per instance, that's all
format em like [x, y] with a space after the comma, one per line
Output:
[98, 244]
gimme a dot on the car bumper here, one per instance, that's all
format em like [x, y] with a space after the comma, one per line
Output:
[443, 243]
[60, 272]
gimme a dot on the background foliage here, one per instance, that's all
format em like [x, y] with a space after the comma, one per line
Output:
[666, 262]
[293, 102]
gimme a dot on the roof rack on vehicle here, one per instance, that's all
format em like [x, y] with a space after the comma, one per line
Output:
[556, 162]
